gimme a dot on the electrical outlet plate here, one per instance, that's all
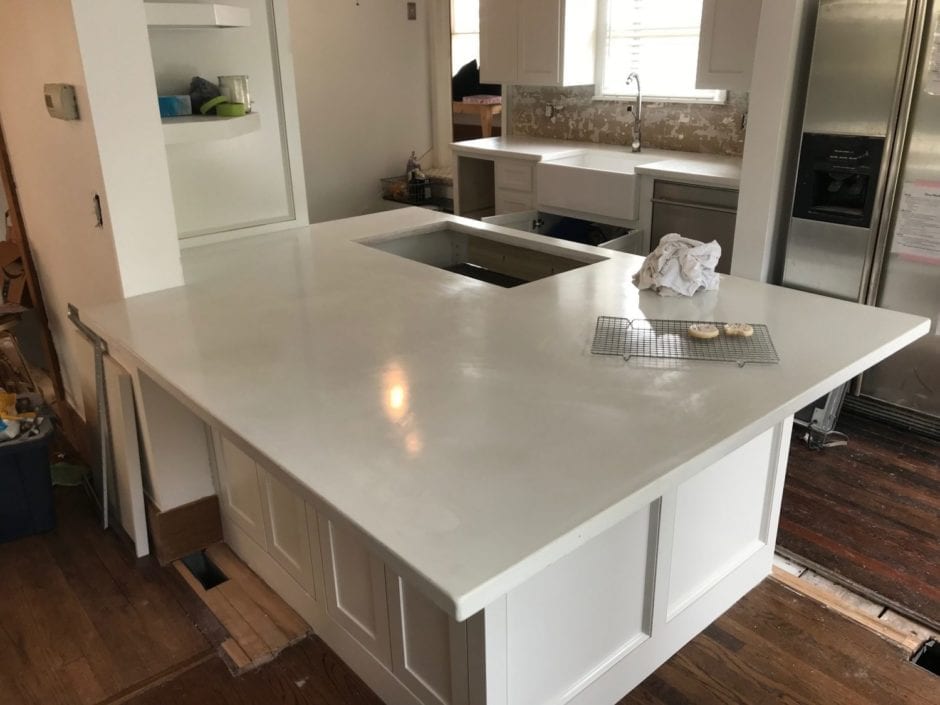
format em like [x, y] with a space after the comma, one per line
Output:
[412, 10]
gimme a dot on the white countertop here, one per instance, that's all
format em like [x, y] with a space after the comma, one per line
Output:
[686, 167]
[465, 427]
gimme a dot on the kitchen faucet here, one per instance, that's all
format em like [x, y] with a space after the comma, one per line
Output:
[637, 112]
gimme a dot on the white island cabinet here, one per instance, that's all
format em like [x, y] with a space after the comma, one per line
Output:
[467, 505]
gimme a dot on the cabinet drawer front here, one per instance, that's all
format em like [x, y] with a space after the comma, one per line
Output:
[513, 201]
[355, 588]
[513, 175]
[286, 529]
[240, 489]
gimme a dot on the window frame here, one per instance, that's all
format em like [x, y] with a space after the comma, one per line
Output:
[600, 67]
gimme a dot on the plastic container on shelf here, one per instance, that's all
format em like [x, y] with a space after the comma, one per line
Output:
[26, 503]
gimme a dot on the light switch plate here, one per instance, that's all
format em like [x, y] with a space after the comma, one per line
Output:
[412, 10]
[60, 101]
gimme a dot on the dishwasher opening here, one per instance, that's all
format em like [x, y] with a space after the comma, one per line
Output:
[699, 212]
[585, 232]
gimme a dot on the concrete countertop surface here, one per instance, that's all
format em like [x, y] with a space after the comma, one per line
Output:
[686, 167]
[466, 428]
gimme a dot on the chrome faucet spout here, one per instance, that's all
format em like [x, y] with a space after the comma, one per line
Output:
[637, 112]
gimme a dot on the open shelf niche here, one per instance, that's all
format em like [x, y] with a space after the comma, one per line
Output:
[205, 128]
[194, 15]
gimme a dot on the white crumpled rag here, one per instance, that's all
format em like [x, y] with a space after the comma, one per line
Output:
[680, 265]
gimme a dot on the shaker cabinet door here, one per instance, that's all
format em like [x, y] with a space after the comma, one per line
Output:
[355, 587]
[726, 44]
[240, 489]
[286, 529]
[498, 42]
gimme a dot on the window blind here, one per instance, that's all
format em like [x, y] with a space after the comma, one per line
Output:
[659, 40]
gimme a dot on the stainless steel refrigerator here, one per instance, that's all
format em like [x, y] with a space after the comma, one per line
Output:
[865, 223]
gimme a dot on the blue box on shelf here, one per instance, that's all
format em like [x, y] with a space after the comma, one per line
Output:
[175, 105]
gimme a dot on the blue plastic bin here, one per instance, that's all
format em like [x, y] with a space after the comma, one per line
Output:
[26, 505]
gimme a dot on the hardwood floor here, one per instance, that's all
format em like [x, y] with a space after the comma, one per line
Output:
[868, 515]
[80, 619]
[82, 622]
[308, 673]
[775, 646]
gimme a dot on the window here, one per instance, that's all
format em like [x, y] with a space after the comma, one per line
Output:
[656, 38]
[464, 33]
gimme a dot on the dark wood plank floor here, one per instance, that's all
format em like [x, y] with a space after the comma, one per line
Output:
[81, 622]
[774, 646]
[80, 619]
[868, 515]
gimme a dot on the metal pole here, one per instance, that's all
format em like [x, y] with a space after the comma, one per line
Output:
[104, 419]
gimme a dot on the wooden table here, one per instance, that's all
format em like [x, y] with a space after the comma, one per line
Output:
[485, 111]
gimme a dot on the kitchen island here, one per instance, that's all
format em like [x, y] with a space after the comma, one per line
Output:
[440, 477]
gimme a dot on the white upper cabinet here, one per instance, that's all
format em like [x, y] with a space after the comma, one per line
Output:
[538, 42]
[726, 44]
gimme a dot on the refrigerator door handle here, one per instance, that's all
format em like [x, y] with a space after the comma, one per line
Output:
[908, 80]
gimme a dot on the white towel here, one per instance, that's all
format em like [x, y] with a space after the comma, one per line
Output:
[680, 265]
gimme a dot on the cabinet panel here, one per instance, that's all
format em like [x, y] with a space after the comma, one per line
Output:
[355, 588]
[540, 42]
[726, 44]
[513, 201]
[498, 28]
[241, 489]
[721, 520]
[514, 174]
[429, 649]
[286, 529]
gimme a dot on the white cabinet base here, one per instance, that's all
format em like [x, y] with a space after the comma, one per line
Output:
[584, 631]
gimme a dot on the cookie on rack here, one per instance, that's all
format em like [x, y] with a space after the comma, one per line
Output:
[703, 331]
[739, 330]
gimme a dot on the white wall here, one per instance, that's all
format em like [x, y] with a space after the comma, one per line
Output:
[363, 89]
[119, 74]
[234, 183]
[57, 171]
[115, 150]
[775, 109]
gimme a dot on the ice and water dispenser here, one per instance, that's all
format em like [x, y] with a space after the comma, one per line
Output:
[837, 178]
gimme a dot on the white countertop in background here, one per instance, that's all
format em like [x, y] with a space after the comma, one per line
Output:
[686, 167]
[466, 428]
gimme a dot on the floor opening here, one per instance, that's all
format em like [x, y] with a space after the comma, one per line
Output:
[928, 656]
[204, 570]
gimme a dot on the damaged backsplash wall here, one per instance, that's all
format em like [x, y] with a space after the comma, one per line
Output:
[690, 127]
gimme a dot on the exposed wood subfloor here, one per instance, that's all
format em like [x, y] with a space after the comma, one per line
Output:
[868, 515]
[82, 621]
[259, 623]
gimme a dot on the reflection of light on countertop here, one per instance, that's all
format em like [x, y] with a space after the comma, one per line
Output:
[395, 393]
[396, 397]
[395, 403]
[413, 443]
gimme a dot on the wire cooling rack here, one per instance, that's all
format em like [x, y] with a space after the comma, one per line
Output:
[670, 339]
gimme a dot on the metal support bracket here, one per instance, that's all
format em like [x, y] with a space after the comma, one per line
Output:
[104, 418]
